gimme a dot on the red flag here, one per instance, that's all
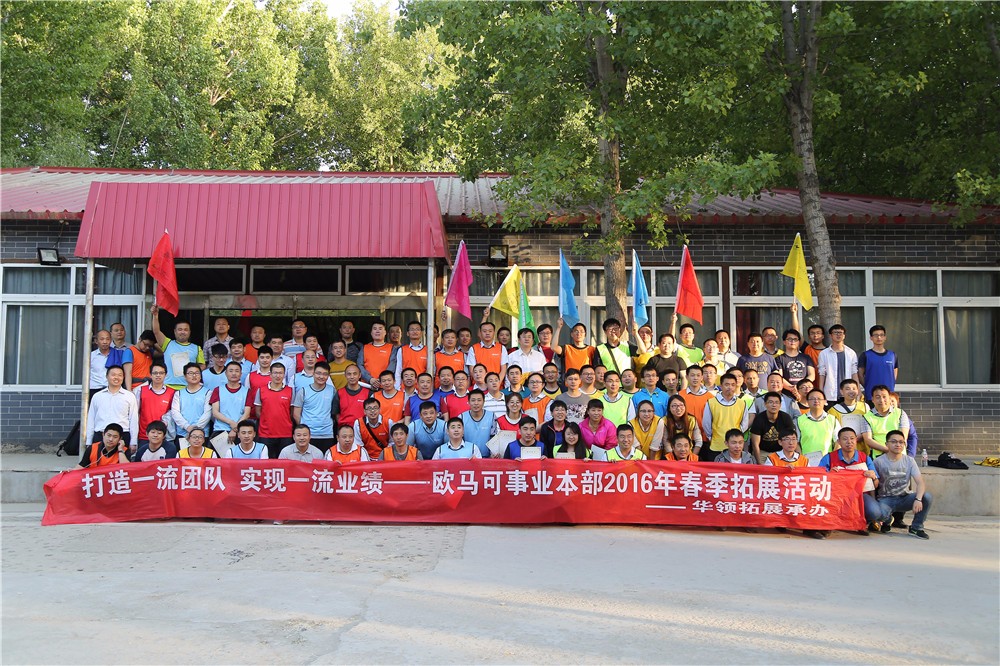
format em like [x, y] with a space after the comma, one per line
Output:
[689, 298]
[161, 268]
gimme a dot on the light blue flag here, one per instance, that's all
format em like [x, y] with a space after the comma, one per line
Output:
[567, 301]
[640, 295]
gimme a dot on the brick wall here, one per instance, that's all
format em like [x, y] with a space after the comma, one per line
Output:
[21, 239]
[964, 423]
[37, 421]
[855, 245]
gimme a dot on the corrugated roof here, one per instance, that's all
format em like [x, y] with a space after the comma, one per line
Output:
[290, 219]
[61, 193]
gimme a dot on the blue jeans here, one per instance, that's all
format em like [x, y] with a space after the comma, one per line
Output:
[902, 504]
[873, 511]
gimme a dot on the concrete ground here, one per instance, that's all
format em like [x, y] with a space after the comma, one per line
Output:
[196, 592]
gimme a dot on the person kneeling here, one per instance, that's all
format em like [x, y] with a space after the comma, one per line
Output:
[897, 470]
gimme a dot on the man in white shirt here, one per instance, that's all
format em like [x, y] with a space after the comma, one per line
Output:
[526, 356]
[113, 404]
[836, 363]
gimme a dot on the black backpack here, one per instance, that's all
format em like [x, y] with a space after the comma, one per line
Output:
[70, 445]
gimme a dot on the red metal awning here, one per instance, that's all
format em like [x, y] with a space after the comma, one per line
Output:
[263, 220]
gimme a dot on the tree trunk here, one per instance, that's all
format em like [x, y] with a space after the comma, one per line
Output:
[610, 82]
[801, 49]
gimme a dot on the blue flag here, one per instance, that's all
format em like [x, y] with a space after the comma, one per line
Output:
[640, 295]
[567, 301]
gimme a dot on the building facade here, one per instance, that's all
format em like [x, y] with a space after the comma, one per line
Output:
[935, 287]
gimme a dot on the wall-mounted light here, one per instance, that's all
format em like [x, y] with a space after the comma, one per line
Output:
[49, 256]
[498, 255]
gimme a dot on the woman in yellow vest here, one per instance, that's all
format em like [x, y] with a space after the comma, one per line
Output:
[648, 429]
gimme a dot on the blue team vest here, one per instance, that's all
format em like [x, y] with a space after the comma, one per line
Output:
[316, 407]
[192, 406]
[231, 405]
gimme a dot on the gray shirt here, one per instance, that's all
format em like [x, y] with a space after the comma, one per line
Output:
[291, 452]
[894, 476]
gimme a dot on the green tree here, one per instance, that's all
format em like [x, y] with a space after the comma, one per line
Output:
[377, 75]
[194, 86]
[53, 55]
[606, 111]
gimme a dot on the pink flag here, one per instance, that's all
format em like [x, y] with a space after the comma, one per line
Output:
[689, 299]
[457, 297]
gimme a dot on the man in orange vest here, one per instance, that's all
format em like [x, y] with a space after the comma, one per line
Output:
[109, 452]
[487, 351]
[372, 431]
[412, 355]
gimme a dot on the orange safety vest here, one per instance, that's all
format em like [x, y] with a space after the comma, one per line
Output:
[779, 462]
[97, 457]
[491, 357]
[375, 439]
[377, 358]
[392, 408]
[691, 458]
[353, 456]
[454, 361]
[575, 358]
[411, 358]
[390, 454]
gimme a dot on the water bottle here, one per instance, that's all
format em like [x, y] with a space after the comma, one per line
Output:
[923, 458]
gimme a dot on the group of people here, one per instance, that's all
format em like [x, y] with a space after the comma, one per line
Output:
[515, 397]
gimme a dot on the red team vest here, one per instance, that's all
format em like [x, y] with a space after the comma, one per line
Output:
[152, 407]
[352, 407]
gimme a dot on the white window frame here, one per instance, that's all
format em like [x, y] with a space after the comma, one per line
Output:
[870, 303]
[70, 300]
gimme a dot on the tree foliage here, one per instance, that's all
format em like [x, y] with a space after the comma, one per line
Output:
[604, 111]
[213, 84]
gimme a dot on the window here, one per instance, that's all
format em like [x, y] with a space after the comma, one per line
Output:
[386, 280]
[35, 344]
[905, 283]
[295, 279]
[41, 320]
[112, 282]
[971, 341]
[210, 279]
[913, 334]
[36, 280]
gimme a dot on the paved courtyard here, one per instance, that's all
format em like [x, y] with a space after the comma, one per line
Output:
[197, 592]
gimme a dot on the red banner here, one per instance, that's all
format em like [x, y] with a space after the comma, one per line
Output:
[461, 491]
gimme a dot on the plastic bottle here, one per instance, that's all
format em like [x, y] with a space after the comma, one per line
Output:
[923, 458]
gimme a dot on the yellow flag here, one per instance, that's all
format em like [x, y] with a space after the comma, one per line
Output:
[508, 296]
[796, 268]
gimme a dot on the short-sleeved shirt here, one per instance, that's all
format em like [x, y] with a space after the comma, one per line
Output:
[794, 368]
[763, 364]
[894, 476]
[768, 430]
[144, 454]
[291, 452]
[176, 356]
